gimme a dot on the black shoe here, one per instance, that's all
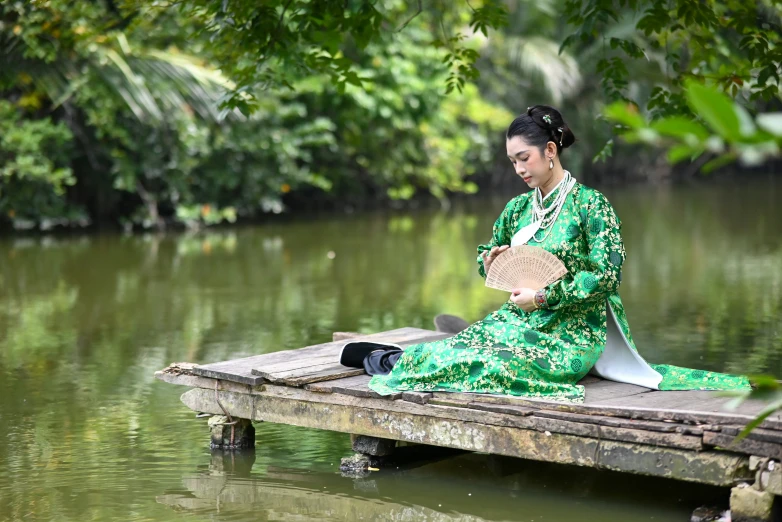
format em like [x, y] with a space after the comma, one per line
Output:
[450, 323]
[353, 352]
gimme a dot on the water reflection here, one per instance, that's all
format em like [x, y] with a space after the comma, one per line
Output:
[468, 488]
[85, 322]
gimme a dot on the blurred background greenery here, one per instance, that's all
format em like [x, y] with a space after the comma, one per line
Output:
[142, 113]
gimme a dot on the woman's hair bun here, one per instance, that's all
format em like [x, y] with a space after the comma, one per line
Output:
[541, 124]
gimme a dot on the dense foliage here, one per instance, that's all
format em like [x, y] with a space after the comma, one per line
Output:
[145, 112]
[123, 122]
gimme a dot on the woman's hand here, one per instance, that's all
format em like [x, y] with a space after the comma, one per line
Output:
[524, 298]
[490, 255]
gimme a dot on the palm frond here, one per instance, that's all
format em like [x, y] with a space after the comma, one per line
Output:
[154, 85]
[539, 57]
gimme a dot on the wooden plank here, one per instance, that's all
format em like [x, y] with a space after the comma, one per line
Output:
[570, 426]
[295, 362]
[319, 373]
[240, 370]
[632, 407]
[300, 371]
[747, 446]
[652, 438]
[597, 390]
[692, 400]
[416, 397]
[443, 426]
[700, 406]
[326, 363]
[612, 422]
[444, 400]
[602, 390]
[357, 386]
[328, 386]
[501, 408]
[756, 434]
[589, 379]
[664, 427]
[488, 398]
[196, 381]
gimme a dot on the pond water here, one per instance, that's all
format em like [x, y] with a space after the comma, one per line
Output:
[88, 434]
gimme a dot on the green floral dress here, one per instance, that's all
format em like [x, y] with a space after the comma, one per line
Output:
[546, 352]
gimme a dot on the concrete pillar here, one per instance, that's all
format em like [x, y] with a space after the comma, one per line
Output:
[239, 435]
[748, 504]
[372, 445]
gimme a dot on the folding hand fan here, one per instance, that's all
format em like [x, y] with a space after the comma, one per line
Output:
[524, 266]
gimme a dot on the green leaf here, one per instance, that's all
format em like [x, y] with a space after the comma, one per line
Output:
[716, 109]
[605, 153]
[625, 113]
[771, 122]
[757, 421]
[746, 124]
[719, 161]
[679, 153]
[680, 127]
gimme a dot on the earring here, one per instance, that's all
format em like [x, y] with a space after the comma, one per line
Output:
[551, 163]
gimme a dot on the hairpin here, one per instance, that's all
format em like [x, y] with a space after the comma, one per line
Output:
[562, 134]
[547, 119]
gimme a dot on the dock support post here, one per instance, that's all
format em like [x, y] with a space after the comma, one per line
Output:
[758, 502]
[372, 445]
[231, 434]
[370, 452]
[748, 504]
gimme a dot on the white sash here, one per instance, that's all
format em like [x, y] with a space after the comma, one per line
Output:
[619, 362]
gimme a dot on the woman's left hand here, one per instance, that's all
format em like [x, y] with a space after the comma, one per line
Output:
[524, 298]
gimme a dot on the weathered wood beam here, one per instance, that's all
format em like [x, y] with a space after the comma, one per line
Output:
[625, 429]
[470, 430]
[196, 381]
[240, 370]
[627, 411]
[747, 445]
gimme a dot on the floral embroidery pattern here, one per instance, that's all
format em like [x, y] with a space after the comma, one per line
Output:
[546, 352]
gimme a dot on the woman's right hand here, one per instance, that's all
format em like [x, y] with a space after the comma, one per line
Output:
[490, 255]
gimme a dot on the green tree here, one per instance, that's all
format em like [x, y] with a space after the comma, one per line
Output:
[733, 44]
[34, 167]
[278, 41]
[149, 142]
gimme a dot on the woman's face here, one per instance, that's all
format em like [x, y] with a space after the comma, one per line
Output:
[528, 162]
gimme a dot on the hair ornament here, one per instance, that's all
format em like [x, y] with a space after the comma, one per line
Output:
[547, 119]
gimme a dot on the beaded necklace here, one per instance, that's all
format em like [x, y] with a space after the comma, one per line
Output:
[547, 216]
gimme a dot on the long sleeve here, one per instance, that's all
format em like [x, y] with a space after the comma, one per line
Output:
[501, 233]
[602, 229]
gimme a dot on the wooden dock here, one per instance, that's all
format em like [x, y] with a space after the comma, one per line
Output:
[683, 435]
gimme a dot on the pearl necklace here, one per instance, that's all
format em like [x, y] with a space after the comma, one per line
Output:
[547, 216]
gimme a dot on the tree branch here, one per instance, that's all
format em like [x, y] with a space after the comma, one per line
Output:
[420, 10]
[273, 38]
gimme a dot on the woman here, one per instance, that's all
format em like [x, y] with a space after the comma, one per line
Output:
[543, 340]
